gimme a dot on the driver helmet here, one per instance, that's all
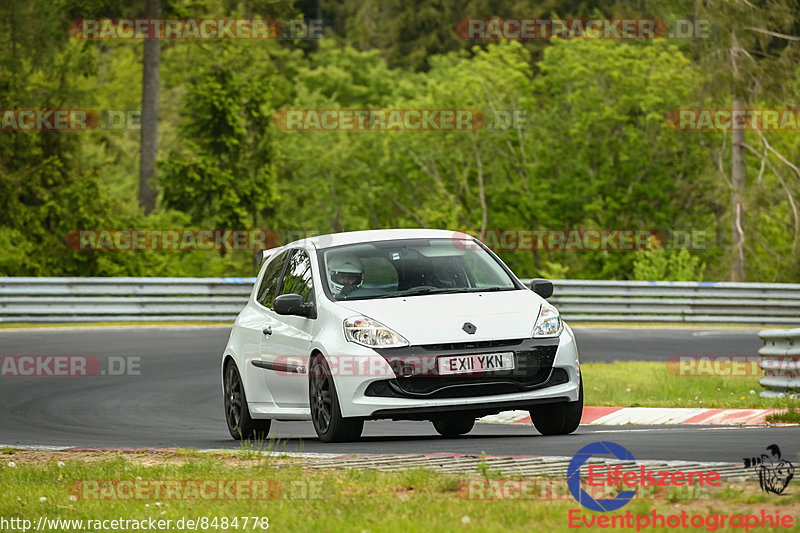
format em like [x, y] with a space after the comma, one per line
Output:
[346, 269]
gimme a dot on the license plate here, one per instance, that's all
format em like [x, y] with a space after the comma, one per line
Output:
[472, 364]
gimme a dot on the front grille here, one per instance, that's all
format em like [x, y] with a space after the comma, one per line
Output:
[420, 379]
[452, 346]
[389, 388]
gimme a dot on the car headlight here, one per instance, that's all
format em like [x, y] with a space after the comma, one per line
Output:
[549, 323]
[368, 332]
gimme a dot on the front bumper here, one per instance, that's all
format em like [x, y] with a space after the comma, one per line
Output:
[547, 370]
[418, 377]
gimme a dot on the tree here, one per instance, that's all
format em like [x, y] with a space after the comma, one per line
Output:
[409, 32]
[605, 157]
[750, 60]
[45, 191]
[223, 172]
[149, 145]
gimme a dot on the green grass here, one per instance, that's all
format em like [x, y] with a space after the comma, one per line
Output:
[650, 384]
[341, 500]
[186, 452]
[789, 416]
[487, 472]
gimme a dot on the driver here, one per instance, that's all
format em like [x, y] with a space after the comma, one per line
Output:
[348, 271]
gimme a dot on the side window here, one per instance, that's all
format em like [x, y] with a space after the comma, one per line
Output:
[297, 279]
[266, 292]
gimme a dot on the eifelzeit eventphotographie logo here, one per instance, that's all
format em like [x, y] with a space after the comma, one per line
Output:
[774, 472]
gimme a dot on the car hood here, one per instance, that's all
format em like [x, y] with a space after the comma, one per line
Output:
[440, 318]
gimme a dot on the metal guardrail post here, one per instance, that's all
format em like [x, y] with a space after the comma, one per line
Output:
[780, 359]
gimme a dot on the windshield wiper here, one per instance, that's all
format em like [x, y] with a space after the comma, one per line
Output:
[421, 290]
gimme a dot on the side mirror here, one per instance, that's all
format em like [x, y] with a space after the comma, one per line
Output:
[542, 287]
[292, 304]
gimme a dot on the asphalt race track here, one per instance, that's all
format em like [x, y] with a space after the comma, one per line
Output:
[176, 399]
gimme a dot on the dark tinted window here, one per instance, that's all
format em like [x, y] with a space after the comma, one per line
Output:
[297, 279]
[425, 266]
[269, 283]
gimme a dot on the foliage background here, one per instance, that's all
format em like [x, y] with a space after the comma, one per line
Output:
[595, 152]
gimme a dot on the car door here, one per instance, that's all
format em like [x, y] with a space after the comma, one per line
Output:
[287, 349]
[260, 322]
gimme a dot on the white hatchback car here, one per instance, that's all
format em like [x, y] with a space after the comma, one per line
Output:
[396, 324]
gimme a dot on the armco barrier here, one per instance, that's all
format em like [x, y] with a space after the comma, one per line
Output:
[220, 299]
[780, 359]
[57, 300]
[692, 302]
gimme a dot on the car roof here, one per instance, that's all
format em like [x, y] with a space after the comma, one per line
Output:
[355, 237]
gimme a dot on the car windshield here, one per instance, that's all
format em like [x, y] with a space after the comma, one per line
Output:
[409, 267]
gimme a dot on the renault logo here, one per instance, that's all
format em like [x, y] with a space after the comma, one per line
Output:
[469, 328]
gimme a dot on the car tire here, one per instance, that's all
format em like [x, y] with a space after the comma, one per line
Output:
[326, 414]
[237, 415]
[560, 418]
[453, 427]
